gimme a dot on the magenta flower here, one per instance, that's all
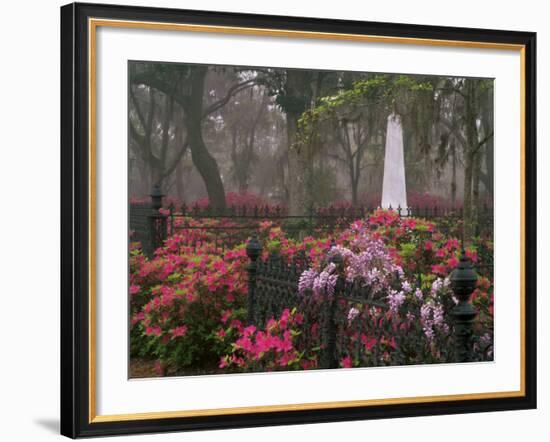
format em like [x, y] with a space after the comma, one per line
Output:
[245, 343]
[283, 320]
[178, 331]
[369, 343]
[153, 331]
[134, 289]
[472, 254]
[346, 362]
[452, 262]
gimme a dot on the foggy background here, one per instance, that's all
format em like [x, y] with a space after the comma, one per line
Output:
[223, 135]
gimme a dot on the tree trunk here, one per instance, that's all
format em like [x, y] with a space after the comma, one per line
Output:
[203, 161]
[296, 181]
[476, 200]
[298, 91]
[453, 175]
[159, 163]
[354, 181]
[468, 221]
[470, 148]
[488, 125]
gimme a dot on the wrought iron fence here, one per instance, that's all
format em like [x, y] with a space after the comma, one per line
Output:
[273, 287]
[140, 225]
[273, 283]
[224, 228]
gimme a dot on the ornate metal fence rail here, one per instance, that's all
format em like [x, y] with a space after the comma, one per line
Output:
[227, 227]
[226, 230]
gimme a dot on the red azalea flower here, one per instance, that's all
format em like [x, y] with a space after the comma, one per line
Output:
[346, 362]
[134, 289]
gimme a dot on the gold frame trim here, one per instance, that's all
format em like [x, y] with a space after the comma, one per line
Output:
[93, 24]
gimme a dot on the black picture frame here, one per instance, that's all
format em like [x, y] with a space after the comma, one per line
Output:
[75, 221]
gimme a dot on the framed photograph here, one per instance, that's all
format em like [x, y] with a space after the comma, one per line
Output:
[275, 220]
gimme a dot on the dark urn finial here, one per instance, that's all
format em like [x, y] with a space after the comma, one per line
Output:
[463, 278]
[253, 248]
[463, 282]
[156, 197]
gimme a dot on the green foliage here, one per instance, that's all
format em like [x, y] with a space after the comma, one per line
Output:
[383, 93]
[407, 250]
[290, 104]
[273, 246]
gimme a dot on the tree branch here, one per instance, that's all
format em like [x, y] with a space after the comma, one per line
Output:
[151, 80]
[140, 139]
[140, 115]
[233, 90]
[454, 131]
[482, 142]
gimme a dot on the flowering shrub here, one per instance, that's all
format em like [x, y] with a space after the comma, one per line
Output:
[177, 303]
[411, 327]
[237, 199]
[366, 261]
[418, 246]
[276, 347]
[426, 254]
[204, 232]
[188, 303]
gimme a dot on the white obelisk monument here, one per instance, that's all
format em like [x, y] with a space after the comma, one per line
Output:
[394, 191]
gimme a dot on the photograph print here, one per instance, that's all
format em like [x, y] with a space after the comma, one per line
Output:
[288, 219]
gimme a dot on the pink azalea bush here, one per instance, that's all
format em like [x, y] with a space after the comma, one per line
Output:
[181, 297]
[177, 302]
[275, 347]
[235, 199]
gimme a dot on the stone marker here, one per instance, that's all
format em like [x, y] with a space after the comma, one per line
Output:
[394, 192]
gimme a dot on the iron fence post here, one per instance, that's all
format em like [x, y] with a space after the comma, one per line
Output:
[253, 251]
[463, 282]
[157, 221]
[329, 357]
